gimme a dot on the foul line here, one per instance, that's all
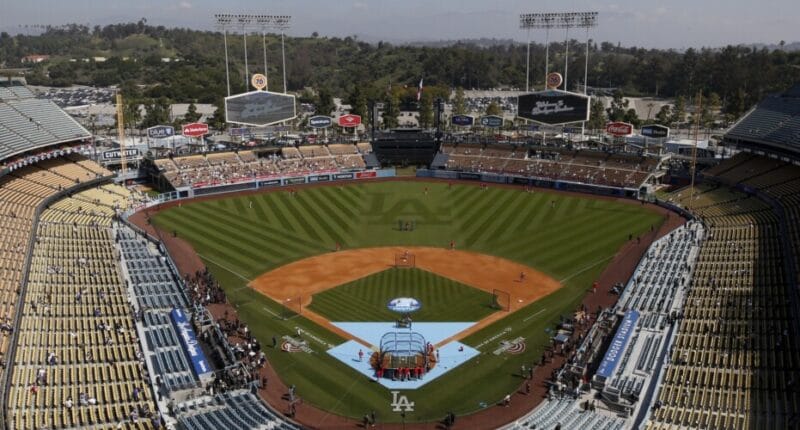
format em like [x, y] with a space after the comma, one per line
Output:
[586, 268]
[220, 265]
[531, 316]
[273, 313]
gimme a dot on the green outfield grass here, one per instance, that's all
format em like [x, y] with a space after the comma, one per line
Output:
[365, 299]
[571, 238]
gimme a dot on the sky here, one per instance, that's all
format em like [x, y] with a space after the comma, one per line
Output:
[675, 24]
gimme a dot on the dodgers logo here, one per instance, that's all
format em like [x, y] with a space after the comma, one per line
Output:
[401, 403]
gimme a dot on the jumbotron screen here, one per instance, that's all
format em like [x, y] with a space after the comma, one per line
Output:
[259, 108]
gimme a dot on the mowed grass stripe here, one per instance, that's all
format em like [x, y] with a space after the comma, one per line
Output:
[199, 232]
[529, 213]
[260, 209]
[512, 213]
[333, 207]
[551, 240]
[320, 220]
[514, 240]
[469, 201]
[271, 200]
[267, 234]
[265, 248]
[560, 247]
[300, 216]
[470, 216]
[229, 236]
[346, 208]
[491, 217]
[351, 196]
[281, 201]
[335, 225]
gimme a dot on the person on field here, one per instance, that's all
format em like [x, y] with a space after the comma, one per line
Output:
[360, 355]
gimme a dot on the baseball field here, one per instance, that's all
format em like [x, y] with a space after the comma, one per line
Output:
[276, 248]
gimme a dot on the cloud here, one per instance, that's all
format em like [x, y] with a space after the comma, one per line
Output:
[184, 5]
[360, 5]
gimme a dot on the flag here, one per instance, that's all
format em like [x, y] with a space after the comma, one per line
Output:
[419, 90]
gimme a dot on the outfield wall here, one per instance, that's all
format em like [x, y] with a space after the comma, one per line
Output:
[530, 181]
[258, 183]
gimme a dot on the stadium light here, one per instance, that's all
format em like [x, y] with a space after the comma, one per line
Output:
[253, 23]
[559, 20]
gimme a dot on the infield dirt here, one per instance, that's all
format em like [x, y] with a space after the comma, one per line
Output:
[309, 276]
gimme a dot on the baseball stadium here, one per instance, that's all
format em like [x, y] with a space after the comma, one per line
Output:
[399, 278]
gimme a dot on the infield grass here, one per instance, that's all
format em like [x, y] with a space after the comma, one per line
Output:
[365, 299]
[569, 237]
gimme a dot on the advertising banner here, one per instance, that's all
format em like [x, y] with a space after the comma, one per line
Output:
[188, 341]
[617, 347]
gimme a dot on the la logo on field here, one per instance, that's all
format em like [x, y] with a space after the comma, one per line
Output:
[401, 403]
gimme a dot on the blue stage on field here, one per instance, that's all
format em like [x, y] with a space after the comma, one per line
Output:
[449, 355]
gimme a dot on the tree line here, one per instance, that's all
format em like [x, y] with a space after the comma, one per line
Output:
[733, 77]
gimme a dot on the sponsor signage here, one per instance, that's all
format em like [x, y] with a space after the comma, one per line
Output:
[239, 131]
[189, 343]
[269, 183]
[366, 174]
[472, 176]
[338, 176]
[617, 347]
[655, 130]
[554, 80]
[404, 305]
[462, 120]
[258, 81]
[349, 120]
[492, 121]
[553, 107]
[319, 178]
[259, 108]
[195, 129]
[294, 181]
[160, 132]
[619, 129]
[115, 154]
[320, 121]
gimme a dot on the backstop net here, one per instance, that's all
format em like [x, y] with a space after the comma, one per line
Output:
[501, 300]
[403, 349]
[404, 260]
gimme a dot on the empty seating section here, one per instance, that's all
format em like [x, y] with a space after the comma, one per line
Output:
[227, 168]
[775, 121]
[154, 285]
[29, 123]
[566, 414]
[238, 410]
[18, 201]
[584, 166]
[89, 165]
[78, 361]
[736, 358]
